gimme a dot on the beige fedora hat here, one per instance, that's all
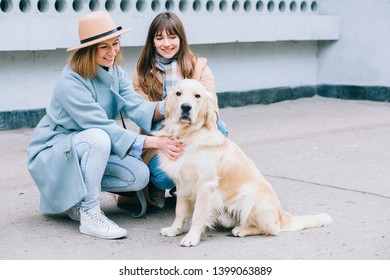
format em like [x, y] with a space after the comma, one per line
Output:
[97, 27]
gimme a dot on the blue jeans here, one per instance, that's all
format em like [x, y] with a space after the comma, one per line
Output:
[159, 178]
[103, 171]
[222, 127]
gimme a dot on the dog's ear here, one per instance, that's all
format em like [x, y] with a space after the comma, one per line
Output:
[168, 105]
[211, 113]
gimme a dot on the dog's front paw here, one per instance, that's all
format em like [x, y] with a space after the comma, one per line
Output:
[170, 231]
[190, 240]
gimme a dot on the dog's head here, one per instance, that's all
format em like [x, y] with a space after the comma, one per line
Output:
[189, 103]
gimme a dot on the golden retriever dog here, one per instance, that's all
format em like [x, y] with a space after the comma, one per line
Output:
[216, 182]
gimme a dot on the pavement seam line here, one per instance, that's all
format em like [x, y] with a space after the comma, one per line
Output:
[328, 186]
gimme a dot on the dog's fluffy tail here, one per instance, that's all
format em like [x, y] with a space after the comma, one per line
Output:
[290, 222]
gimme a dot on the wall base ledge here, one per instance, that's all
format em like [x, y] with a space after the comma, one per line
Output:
[19, 119]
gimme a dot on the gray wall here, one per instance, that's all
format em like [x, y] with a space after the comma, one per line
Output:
[300, 48]
[361, 56]
[250, 44]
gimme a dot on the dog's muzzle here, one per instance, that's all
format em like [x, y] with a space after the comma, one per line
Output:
[185, 111]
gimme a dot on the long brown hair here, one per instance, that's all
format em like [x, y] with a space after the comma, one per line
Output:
[146, 65]
[83, 61]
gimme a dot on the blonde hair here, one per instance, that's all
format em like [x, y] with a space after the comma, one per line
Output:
[83, 61]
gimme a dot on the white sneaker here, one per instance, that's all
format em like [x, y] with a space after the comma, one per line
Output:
[74, 212]
[94, 222]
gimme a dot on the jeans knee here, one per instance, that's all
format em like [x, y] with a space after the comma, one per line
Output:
[101, 139]
[94, 144]
[143, 178]
[162, 181]
[125, 175]
[158, 177]
[138, 176]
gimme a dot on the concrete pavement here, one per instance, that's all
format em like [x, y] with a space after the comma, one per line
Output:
[320, 154]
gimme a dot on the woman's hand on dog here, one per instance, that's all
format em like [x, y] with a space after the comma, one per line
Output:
[171, 147]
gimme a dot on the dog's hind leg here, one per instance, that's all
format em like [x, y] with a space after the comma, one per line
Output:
[246, 231]
[225, 220]
[262, 220]
[265, 229]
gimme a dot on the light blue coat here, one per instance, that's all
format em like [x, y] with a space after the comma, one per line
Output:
[78, 104]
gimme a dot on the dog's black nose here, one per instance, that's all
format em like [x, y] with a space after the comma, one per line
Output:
[185, 107]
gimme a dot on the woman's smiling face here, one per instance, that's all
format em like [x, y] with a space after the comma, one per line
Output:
[107, 51]
[167, 45]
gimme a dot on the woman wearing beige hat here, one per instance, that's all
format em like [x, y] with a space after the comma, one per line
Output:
[77, 149]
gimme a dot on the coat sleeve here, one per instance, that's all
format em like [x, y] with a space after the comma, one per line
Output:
[136, 107]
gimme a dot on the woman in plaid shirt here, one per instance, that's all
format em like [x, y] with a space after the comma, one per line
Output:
[165, 59]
